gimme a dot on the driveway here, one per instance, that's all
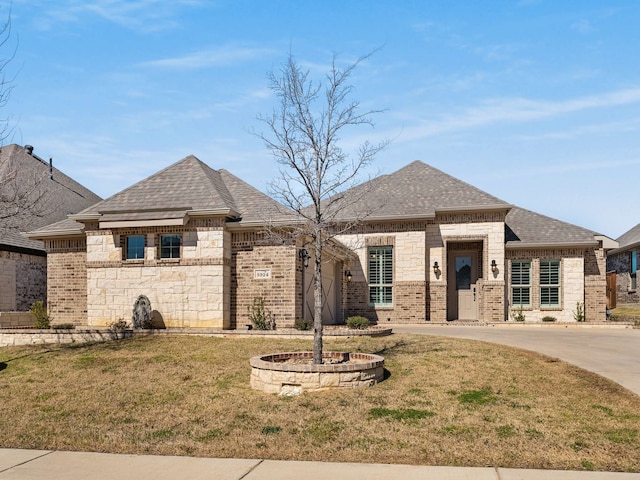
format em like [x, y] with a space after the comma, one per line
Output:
[612, 353]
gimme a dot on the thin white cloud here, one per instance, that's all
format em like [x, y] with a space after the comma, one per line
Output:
[518, 110]
[582, 26]
[213, 57]
[142, 15]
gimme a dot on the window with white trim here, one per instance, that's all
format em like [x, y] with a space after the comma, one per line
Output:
[549, 283]
[521, 283]
[380, 264]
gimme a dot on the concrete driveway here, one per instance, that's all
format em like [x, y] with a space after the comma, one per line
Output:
[613, 353]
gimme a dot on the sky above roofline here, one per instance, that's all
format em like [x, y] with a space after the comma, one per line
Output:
[533, 101]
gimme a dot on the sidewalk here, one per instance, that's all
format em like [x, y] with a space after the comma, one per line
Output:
[53, 465]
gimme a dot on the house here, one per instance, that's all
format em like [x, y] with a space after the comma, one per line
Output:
[33, 193]
[199, 244]
[622, 267]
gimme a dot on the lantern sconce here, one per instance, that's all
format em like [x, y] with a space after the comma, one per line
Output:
[304, 256]
[436, 268]
[348, 276]
[494, 266]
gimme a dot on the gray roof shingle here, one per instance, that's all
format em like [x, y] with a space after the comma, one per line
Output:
[415, 191]
[61, 194]
[186, 186]
[524, 227]
[632, 237]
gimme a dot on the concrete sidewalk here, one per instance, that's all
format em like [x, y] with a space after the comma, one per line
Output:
[54, 465]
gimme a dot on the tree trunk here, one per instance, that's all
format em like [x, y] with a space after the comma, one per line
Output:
[317, 296]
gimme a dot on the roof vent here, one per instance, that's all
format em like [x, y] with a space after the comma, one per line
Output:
[29, 149]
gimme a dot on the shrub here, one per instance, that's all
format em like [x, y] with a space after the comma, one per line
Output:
[119, 325]
[64, 326]
[260, 316]
[303, 324]
[548, 318]
[578, 314]
[517, 314]
[38, 310]
[358, 323]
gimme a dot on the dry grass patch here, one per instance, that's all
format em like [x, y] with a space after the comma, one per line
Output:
[444, 402]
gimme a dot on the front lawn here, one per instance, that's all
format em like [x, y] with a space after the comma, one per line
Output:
[445, 402]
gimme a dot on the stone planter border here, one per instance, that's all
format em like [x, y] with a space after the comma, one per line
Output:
[270, 373]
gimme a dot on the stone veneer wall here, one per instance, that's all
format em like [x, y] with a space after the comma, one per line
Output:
[572, 281]
[595, 285]
[459, 231]
[281, 288]
[67, 280]
[191, 291]
[420, 294]
[492, 304]
[410, 298]
[621, 264]
[23, 280]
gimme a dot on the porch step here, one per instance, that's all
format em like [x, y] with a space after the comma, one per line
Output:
[466, 323]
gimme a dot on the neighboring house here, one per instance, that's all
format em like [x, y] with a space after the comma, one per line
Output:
[195, 241]
[33, 193]
[622, 267]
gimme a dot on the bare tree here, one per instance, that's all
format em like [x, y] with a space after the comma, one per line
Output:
[6, 83]
[21, 199]
[304, 132]
[24, 198]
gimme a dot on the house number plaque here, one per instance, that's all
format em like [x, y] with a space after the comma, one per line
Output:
[262, 274]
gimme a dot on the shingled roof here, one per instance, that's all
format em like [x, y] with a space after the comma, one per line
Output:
[525, 228]
[415, 191]
[420, 191]
[630, 238]
[61, 195]
[188, 187]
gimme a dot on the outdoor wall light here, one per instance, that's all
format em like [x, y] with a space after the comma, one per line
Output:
[304, 256]
[494, 266]
[436, 268]
[348, 275]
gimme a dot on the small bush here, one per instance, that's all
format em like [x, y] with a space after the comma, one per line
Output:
[303, 324]
[38, 310]
[517, 314]
[578, 314]
[260, 316]
[358, 323]
[119, 325]
[64, 326]
[549, 318]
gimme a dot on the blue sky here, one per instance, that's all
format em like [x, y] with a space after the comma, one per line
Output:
[534, 101]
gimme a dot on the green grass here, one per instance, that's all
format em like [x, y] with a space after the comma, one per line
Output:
[443, 402]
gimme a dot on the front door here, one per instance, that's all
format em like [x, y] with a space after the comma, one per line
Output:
[463, 274]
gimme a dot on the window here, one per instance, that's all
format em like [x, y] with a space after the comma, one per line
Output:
[521, 283]
[549, 283]
[381, 276]
[135, 247]
[170, 246]
[634, 269]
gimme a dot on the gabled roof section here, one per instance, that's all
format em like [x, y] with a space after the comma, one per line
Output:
[188, 188]
[527, 229]
[255, 207]
[187, 185]
[630, 238]
[60, 194]
[415, 191]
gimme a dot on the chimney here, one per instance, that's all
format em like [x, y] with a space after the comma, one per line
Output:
[29, 149]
